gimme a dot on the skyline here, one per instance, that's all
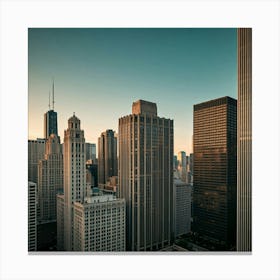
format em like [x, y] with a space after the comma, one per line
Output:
[173, 67]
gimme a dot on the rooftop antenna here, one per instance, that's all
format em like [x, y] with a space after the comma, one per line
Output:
[53, 95]
[49, 100]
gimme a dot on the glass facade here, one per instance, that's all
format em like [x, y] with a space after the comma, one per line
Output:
[214, 170]
[50, 123]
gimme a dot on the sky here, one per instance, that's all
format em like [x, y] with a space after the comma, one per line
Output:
[99, 72]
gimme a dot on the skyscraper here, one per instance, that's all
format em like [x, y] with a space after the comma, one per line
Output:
[107, 156]
[50, 178]
[146, 177]
[74, 171]
[182, 165]
[214, 170]
[244, 137]
[91, 152]
[50, 119]
[50, 123]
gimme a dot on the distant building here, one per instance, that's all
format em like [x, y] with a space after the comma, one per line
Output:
[214, 183]
[182, 207]
[91, 152]
[175, 163]
[92, 173]
[146, 177]
[50, 179]
[50, 123]
[36, 152]
[32, 217]
[99, 224]
[107, 156]
[244, 131]
[190, 169]
[182, 166]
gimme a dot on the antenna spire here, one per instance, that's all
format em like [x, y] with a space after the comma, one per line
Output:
[49, 100]
[53, 95]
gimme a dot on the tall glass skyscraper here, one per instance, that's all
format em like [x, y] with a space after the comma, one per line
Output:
[146, 177]
[50, 123]
[107, 156]
[214, 170]
[244, 136]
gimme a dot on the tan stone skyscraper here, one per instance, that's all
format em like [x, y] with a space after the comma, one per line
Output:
[244, 141]
[50, 178]
[146, 177]
[74, 166]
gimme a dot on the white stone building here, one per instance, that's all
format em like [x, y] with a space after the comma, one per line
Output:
[99, 224]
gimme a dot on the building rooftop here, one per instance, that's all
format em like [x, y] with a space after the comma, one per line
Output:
[144, 107]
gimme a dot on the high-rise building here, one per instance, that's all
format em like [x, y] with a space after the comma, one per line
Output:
[175, 162]
[146, 177]
[32, 216]
[214, 170]
[190, 169]
[50, 123]
[182, 207]
[244, 140]
[74, 172]
[182, 165]
[99, 224]
[50, 118]
[36, 152]
[107, 156]
[91, 152]
[50, 179]
[91, 173]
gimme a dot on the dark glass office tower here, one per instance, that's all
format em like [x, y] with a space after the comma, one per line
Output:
[50, 123]
[214, 170]
[107, 156]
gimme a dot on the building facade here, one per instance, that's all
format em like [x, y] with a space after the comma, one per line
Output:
[50, 123]
[182, 165]
[91, 152]
[182, 207]
[244, 132]
[32, 216]
[36, 152]
[74, 172]
[50, 179]
[146, 177]
[214, 170]
[107, 156]
[99, 224]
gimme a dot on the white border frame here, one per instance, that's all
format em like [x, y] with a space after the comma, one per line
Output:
[17, 16]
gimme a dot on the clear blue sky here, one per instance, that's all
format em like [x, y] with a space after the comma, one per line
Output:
[98, 73]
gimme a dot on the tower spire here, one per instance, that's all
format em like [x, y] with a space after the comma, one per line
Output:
[49, 100]
[53, 95]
